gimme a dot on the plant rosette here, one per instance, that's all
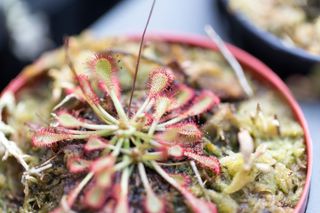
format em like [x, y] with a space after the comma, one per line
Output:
[164, 140]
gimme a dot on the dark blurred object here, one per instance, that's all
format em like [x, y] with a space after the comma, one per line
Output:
[60, 17]
[305, 87]
[283, 59]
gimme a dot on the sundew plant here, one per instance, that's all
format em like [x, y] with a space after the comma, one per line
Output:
[182, 132]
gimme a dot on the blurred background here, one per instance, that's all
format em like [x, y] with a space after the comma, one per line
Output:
[29, 27]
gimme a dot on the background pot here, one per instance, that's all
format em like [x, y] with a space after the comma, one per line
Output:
[282, 58]
[256, 68]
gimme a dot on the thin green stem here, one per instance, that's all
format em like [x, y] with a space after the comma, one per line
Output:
[99, 126]
[126, 144]
[196, 172]
[173, 164]
[165, 175]
[142, 135]
[150, 156]
[123, 164]
[63, 101]
[150, 105]
[79, 188]
[118, 106]
[125, 181]
[170, 122]
[152, 128]
[112, 142]
[122, 202]
[102, 114]
[124, 151]
[144, 178]
[137, 142]
[155, 143]
[118, 146]
[142, 108]
[199, 179]
[106, 115]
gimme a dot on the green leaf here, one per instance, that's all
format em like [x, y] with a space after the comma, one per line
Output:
[183, 96]
[210, 162]
[48, 136]
[202, 103]
[95, 143]
[95, 196]
[102, 163]
[153, 204]
[159, 80]
[104, 178]
[76, 164]
[67, 120]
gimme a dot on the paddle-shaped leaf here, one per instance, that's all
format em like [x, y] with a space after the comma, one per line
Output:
[88, 92]
[104, 177]
[175, 151]
[76, 164]
[104, 67]
[95, 143]
[49, 136]
[159, 80]
[153, 204]
[186, 130]
[95, 196]
[102, 163]
[198, 205]
[183, 96]
[122, 205]
[161, 106]
[202, 103]
[65, 119]
[210, 162]
[182, 179]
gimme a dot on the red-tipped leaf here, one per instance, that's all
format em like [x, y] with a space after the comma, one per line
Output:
[95, 143]
[65, 119]
[182, 179]
[95, 196]
[198, 205]
[153, 204]
[122, 205]
[104, 67]
[159, 80]
[48, 136]
[176, 151]
[183, 96]
[210, 162]
[76, 164]
[161, 106]
[202, 103]
[90, 96]
[104, 177]
[186, 130]
[102, 163]
[57, 210]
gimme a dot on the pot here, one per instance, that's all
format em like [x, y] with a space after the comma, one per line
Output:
[272, 50]
[255, 67]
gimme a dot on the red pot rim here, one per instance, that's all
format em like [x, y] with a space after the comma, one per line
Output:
[253, 65]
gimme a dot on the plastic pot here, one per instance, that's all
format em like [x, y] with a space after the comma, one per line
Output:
[255, 67]
[283, 59]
